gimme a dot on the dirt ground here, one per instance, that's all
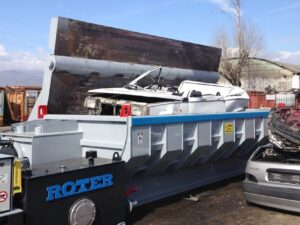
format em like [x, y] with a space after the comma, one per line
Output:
[222, 205]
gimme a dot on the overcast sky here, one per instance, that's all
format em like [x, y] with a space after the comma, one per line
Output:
[24, 25]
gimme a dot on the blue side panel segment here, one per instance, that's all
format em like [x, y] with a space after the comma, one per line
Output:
[171, 119]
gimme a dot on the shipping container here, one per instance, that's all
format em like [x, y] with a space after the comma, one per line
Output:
[260, 99]
[21, 100]
[2, 103]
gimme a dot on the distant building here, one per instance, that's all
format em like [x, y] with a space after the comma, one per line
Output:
[261, 73]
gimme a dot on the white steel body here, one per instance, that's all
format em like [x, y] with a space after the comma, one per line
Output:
[216, 98]
[259, 169]
[151, 144]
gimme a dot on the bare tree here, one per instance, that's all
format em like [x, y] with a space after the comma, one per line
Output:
[246, 42]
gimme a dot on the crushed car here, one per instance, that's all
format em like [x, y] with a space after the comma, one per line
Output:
[273, 170]
[147, 95]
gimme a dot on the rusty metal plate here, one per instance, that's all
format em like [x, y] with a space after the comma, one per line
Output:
[81, 39]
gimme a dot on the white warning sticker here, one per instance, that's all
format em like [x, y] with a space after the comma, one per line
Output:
[3, 178]
[140, 137]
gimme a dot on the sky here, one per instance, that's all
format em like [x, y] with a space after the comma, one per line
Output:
[24, 25]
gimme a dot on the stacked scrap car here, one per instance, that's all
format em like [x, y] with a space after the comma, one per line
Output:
[273, 171]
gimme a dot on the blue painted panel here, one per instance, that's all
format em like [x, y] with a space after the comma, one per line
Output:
[170, 119]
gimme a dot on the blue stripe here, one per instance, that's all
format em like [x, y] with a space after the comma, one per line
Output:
[156, 120]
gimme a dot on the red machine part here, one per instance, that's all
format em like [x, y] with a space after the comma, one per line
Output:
[42, 111]
[125, 110]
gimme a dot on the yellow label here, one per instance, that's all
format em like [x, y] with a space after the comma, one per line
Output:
[228, 128]
[17, 177]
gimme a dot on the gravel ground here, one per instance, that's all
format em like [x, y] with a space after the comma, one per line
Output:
[222, 205]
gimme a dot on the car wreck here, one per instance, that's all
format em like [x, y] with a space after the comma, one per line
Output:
[147, 95]
[273, 170]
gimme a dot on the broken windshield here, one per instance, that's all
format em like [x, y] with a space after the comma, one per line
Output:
[146, 80]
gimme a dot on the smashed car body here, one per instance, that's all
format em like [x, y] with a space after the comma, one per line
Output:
[147, 95]
[273, 171]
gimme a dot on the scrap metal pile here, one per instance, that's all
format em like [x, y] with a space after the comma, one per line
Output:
[284, 129]
[155, 98]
